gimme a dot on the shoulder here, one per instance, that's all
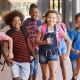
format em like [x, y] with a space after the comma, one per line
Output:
[26, 22]
[9, 32]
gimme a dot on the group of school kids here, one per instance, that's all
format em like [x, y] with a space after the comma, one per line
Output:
[45, 40]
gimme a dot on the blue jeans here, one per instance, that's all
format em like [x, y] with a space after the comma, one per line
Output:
[34, 65]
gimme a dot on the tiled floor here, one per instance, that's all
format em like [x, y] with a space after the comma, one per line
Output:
[6, 74]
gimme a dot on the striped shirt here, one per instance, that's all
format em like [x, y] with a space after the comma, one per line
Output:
[20, 48]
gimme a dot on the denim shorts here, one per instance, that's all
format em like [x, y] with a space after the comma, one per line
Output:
[62, 47]
[21, 70]
[34, 65]
[48, 55]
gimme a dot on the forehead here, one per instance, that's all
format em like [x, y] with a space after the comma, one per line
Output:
[78, 18]
[52, 14]
[34, 9]
[16, 17]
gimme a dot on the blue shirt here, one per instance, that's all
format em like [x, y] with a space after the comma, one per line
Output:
[76, 45]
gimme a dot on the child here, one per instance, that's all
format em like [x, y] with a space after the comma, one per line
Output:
[62, 48]
[49, 43]
[75, 45]
[20, 65]
[32, 25]
[10, 42]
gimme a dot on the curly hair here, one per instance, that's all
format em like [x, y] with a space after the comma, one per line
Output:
[9, 15]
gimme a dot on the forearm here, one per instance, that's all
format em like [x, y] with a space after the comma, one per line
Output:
[69, 47]
[39, 42]
[4, 52]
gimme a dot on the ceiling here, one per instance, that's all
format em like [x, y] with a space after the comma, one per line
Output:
[22, 1]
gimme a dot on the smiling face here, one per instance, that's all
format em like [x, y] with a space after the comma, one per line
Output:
[51, 18]
[16, 23]
[78, 22]
[34, 13]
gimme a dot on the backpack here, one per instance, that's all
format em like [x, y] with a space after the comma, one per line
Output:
[65, 26]
[75, 35]
[26, 22]
[9, 33]
[43, 30]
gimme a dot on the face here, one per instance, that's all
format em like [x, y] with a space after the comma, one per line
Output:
[34, 13]
[78, 21]
[16, 22]
[59, 19]
[51, 18]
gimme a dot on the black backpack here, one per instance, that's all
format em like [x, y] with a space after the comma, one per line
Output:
[9, 33]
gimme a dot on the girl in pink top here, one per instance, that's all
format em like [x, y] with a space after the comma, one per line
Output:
[48, 45]
[9, 39]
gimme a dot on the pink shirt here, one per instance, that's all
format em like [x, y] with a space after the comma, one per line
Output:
[3, 36]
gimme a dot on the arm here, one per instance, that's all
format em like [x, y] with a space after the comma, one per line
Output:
[31, 49]
[10, 46]
[38, 40]
[5, 51]
[69, 42]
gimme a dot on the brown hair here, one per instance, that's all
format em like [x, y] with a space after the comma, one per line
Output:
[77, 15]
[49, 11]
[9, 15]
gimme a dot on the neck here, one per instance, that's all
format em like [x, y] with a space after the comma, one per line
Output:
[16, 29]
[78, 28]
[50, 25]
[33, 19]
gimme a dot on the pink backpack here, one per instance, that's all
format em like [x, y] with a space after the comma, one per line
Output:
[43, 30]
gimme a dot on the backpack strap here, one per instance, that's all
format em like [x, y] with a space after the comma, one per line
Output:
[24, 31]
[39, 22]
[43, 30]
[75, 35]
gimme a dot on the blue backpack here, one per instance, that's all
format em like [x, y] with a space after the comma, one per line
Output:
[26, 22]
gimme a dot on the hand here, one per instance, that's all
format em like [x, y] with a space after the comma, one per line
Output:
[9, 61]
[36, 57]
[11, 55]
[76, 72]
[65, 57]
[48, 40]
[76, 51]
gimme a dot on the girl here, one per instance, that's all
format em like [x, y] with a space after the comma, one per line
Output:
[49, 43]
[20, 65]
[62, 48]
[32, 25]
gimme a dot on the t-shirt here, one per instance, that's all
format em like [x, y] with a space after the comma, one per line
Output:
[20, 49]
[59, 33]
[76, 45]
[3, 36]
[32, 27]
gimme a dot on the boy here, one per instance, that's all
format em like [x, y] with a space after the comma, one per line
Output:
[20, 65]
[75, 45]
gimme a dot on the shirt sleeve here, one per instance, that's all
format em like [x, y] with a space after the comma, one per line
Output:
[71, 34]
[3, 36]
